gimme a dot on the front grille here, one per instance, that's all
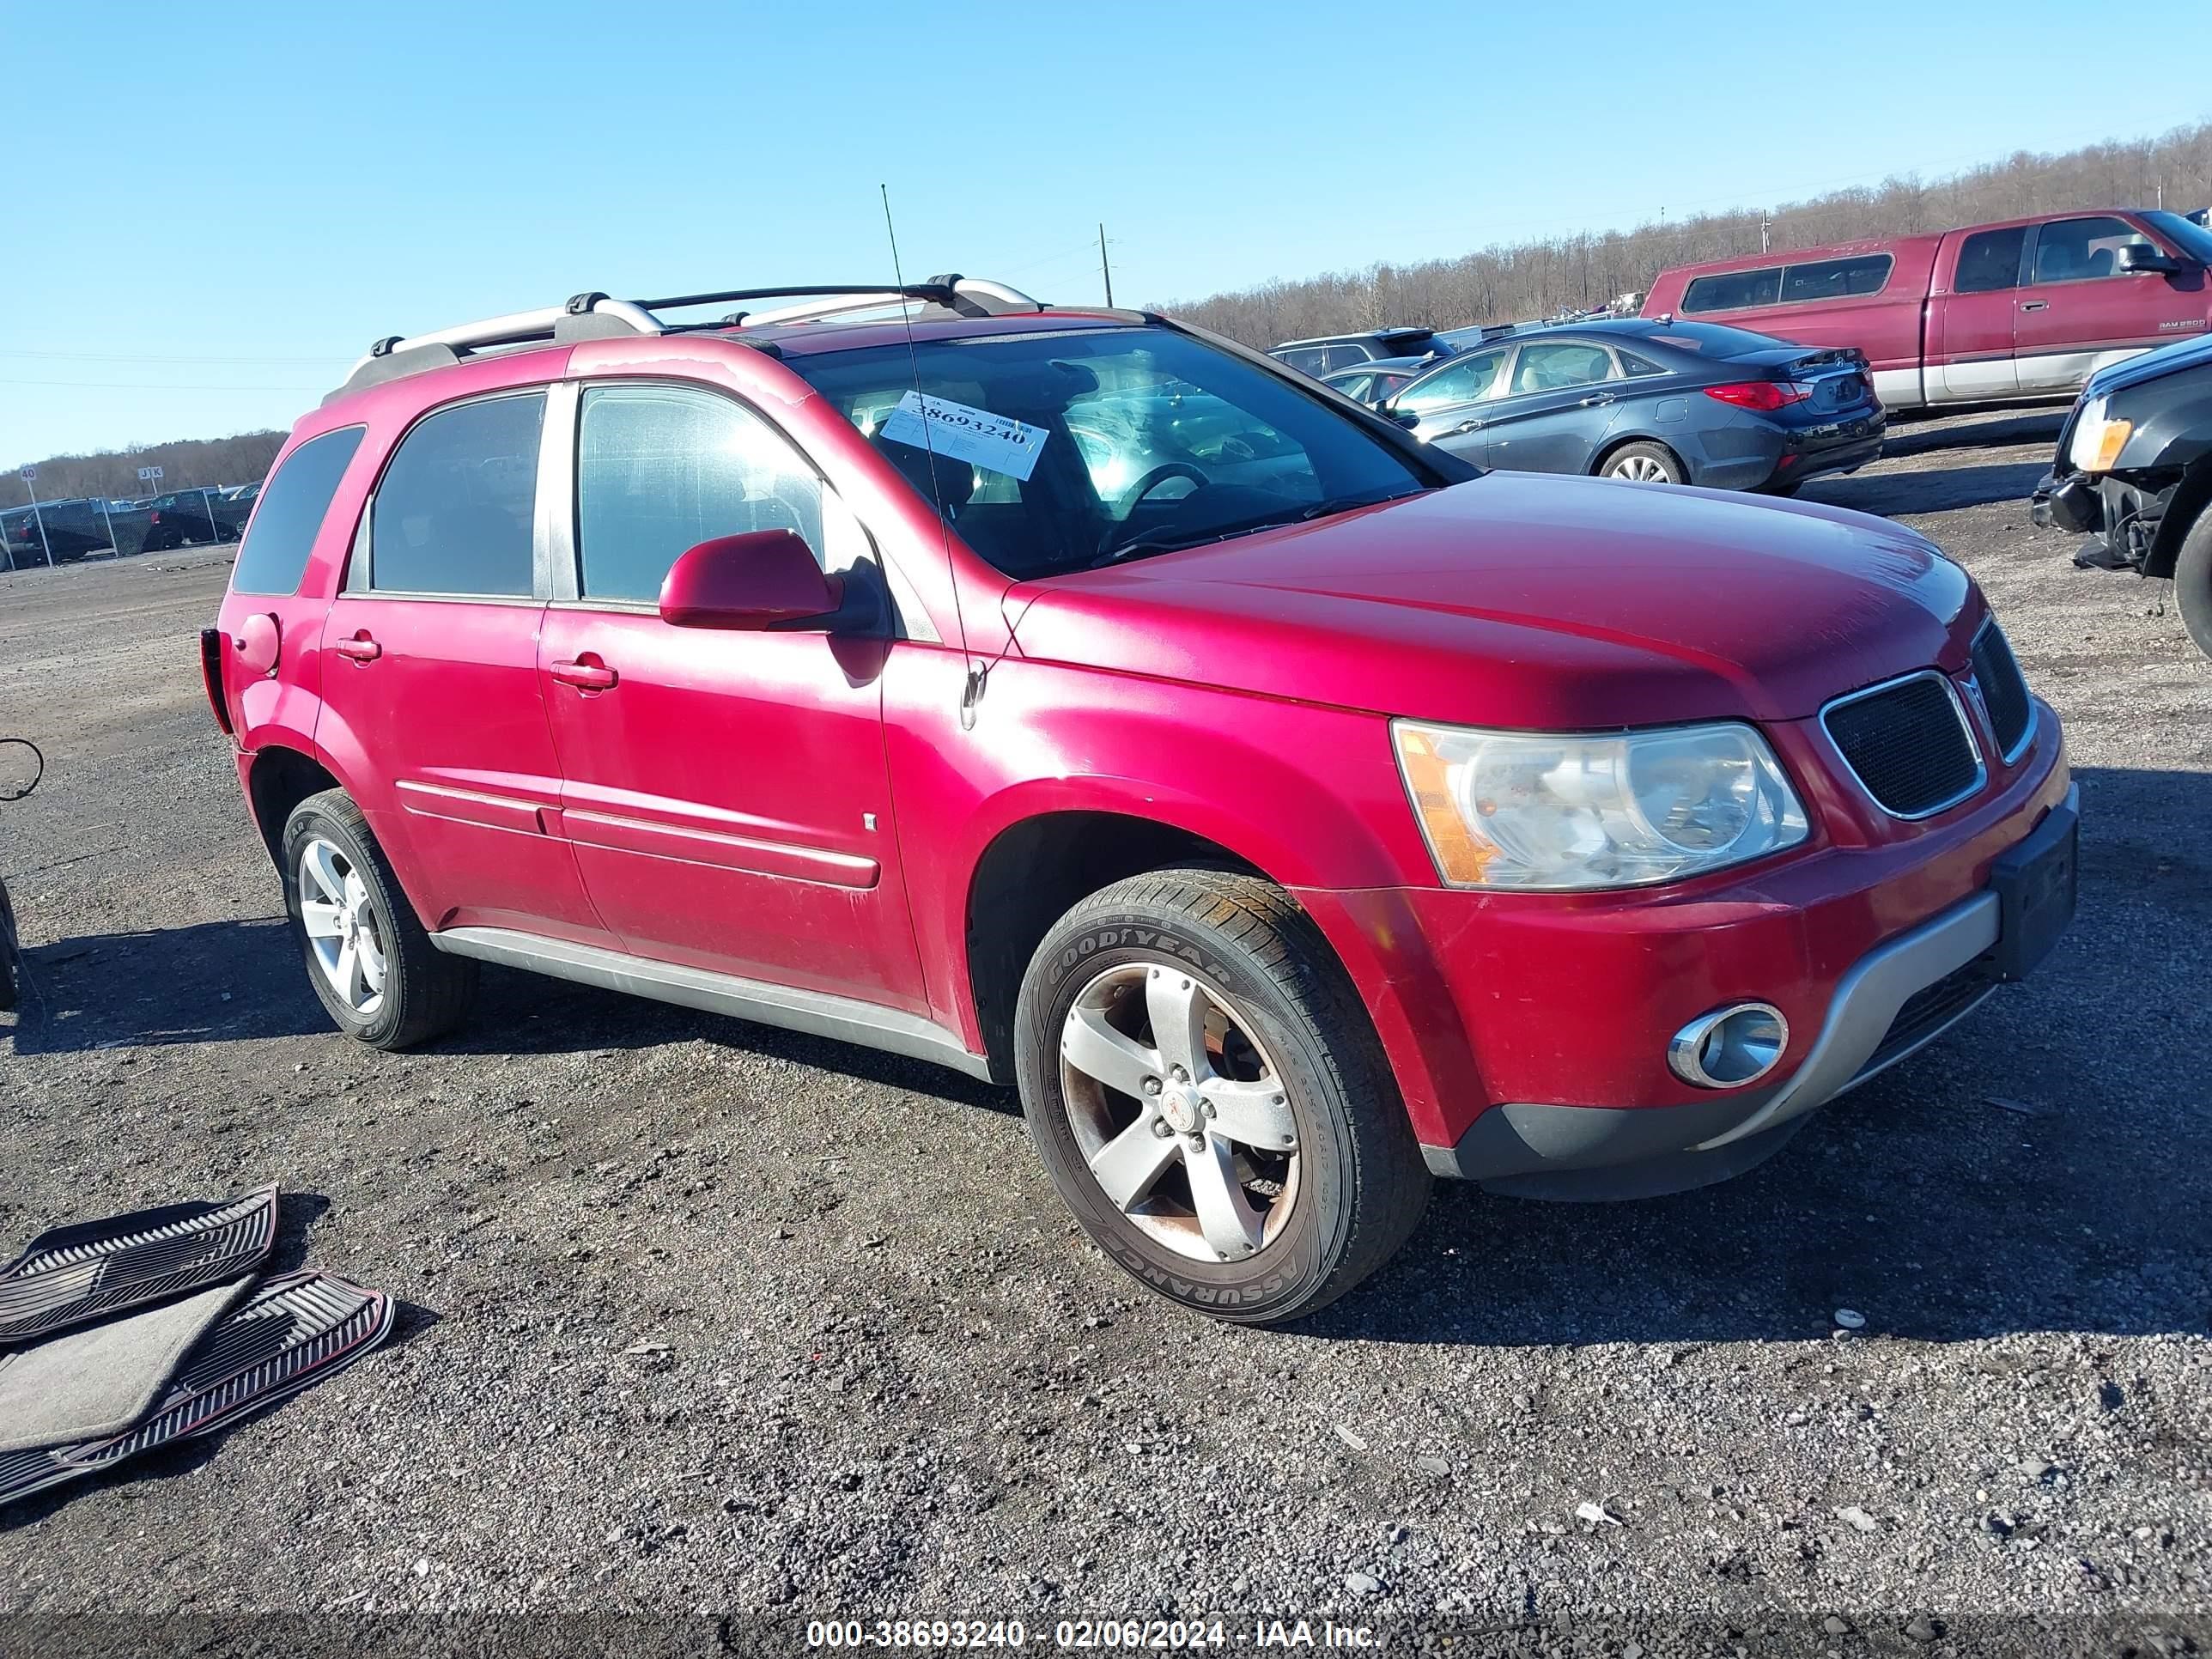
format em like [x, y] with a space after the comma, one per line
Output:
[1926, 1011]
[1908, 744]
[2004, 693]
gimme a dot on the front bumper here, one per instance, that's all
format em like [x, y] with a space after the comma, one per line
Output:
[1896, 999]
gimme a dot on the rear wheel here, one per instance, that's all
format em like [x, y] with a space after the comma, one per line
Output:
[1643, 463]
[367, 957]
[1209, 1099]
[2192, 582]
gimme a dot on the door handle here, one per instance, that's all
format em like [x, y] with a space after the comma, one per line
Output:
[359, 649]
[584, 675]
[1597, 398]
[1468, 426]
[2035, 305]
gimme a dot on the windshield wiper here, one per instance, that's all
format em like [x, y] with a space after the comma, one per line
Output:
[1168, 541]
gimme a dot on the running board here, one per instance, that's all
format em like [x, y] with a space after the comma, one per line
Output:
[96, 1269]
[291, 1332]
[815, 1012]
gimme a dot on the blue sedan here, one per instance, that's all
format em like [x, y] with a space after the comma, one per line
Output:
[1651, 400]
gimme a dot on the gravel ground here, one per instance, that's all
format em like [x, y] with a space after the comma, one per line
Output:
[703, 1317]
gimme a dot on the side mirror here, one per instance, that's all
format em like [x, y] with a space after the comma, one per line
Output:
[2142, 259]
[1405, 417]
[762, 579]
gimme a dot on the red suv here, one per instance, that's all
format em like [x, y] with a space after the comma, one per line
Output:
[1085, 702]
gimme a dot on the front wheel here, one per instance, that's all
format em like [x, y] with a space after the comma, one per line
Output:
[1643, 463]
[370, 961]
[1210, 1100]
[2192, 582]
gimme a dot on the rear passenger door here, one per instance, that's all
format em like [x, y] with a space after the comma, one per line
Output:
[1557, 405]
[430, 699]
[728, 794]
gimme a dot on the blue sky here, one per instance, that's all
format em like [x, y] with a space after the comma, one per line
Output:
[219, 207]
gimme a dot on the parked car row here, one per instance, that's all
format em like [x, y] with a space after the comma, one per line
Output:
[1764, 370]
[74, 528]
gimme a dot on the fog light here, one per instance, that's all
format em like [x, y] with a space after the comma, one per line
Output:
[1729, 1047]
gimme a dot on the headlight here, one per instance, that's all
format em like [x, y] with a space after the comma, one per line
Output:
[1510, 808]
[2098, 439]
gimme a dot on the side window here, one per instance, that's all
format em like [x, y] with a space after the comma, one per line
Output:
[1464, 381]
[1989, 261]
[1557, 364]
[2081, 250]
[1735, 290]
[1638, 368]
[1313, 359]
[660, 469]
[274, 556]
[1837, 279]
[454, 511]
[1354, 386]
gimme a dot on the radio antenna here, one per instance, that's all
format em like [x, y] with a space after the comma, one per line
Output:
[971, 688]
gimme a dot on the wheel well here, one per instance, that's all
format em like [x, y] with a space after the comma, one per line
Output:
[1033, 874]
[2192, 495]
[1620, 444]
[279, 781]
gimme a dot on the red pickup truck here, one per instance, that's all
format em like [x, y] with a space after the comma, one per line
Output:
[2028, 308]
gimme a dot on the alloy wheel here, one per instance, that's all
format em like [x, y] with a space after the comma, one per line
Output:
[1179, 1112]
[344, 933]
[1642, 469]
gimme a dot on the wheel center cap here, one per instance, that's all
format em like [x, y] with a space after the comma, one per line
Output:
[1179, 1105]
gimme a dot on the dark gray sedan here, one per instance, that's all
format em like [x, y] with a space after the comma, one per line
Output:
[1652, 400]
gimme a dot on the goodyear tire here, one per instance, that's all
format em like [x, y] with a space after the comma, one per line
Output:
[367, 957]
[1210, 1099]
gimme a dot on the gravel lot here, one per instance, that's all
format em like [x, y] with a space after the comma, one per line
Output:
[705, 1317]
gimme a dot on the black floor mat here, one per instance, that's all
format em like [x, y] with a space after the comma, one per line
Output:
[292, 1331]
[73, 1274]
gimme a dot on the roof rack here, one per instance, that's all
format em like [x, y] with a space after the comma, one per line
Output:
[595, 316]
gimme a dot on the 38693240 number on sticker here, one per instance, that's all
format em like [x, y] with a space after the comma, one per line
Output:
[965, 432]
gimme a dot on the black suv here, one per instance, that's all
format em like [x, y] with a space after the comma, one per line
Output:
[1327, 353]
[2134, 469]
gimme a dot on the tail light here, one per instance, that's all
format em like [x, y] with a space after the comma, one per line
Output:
[1765, 396]
[154, 517]
[211, 676]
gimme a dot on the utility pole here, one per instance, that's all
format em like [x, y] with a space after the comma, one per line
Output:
[1105, 270]
[1766, 224]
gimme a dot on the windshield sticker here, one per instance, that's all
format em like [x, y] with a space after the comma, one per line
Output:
[975, 435]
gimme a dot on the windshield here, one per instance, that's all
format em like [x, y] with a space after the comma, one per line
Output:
[2191, 238]
[1060, 451]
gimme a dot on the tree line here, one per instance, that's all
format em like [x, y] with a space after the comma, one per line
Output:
[187, 464]
[1522, 280]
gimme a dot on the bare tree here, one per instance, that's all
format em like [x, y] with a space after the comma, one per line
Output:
[1504, 283]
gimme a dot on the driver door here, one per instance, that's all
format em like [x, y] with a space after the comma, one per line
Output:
[1555, 409]
[726, 793]
[1453, 402]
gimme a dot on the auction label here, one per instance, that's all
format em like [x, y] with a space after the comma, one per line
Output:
[965, 432]
[1108, 1635]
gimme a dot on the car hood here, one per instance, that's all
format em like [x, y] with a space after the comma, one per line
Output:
[1521, 600]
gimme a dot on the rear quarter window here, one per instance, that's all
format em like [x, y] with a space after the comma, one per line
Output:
[274, 556]
[1735, 290]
